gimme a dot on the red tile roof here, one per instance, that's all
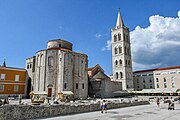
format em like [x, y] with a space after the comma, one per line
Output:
[164, 68]
[167, 68]
[149, 70]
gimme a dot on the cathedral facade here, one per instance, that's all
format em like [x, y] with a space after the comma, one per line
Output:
[57, 69]
[121, 54]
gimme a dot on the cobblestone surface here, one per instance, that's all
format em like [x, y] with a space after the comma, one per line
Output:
[144, 112]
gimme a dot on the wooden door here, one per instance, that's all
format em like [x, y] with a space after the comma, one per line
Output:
[49, 92]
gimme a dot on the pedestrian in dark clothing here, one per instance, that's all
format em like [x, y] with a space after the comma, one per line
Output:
[6, 101]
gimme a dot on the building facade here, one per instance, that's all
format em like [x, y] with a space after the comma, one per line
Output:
[164, 80]
[121, 54]
[58, 69]
[144, 79]
[100, 85]
[12, 81]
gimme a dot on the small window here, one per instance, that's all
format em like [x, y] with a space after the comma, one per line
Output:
[115, 38]
[117, 75]
[124, 38]
[115, 51]
[3, 76]
[144, 86]
[50, 61]
[82, 85]
[127, 38]
[76, 85]
[164, 79]
[129, 62]
[150, 81]
[144, 81]
[157, 80]
[121, 75]
[157, 85]
[1, 88]
[165, 85]
[116, 63]
[119, 36]
[16, 88]
[150, 85]
[120, 62]
[173, 85]
[65, 85]
[125, 50]
[28, 66]
[120, 50]
[59, 45]
[17, 78]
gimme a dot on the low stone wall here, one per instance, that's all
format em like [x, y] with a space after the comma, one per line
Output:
[19, 112]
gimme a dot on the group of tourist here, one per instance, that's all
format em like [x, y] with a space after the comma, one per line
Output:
[6, 101]
[170, 103]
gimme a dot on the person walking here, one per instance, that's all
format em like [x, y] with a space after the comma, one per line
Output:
[101, 105]
[158, 102]
[1, 102]
[104, 107]
[6, 101]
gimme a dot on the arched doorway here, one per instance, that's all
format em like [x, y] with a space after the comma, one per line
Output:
[29, 85]
[50, 90]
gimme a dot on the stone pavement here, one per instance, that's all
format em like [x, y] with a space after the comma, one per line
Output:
[144, 112]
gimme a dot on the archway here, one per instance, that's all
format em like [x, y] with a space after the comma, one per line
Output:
[29, 85]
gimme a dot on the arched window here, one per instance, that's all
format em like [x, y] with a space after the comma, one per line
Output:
[125, 51]
[117, 75]
[50, 61]
[124, 37]
[41, 59]
[119, 36]
[28, 66]
[120, 62]
[116, 63]
[126, 62]
[115, 38]
[38, 60]
[120, 49]
[127, 38]
[129, 62]
[121, 75]
[115, 51]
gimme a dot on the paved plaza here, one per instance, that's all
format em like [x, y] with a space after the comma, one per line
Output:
[144, 112]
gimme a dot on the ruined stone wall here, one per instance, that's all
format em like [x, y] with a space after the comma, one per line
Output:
[110, 87]
[21, 112]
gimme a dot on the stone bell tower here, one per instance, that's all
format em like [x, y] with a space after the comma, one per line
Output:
[121, 54]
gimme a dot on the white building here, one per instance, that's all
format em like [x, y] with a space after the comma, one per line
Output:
[121, 55]
[57, 69]
[160, 80]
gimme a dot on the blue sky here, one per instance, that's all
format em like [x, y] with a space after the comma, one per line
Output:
[27, 25]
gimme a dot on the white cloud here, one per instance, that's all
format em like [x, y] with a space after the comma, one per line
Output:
[158, 45]
[108, 46]
[98, 36]
[179, 13]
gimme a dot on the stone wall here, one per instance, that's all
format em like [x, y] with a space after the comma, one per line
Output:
[19, 112]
